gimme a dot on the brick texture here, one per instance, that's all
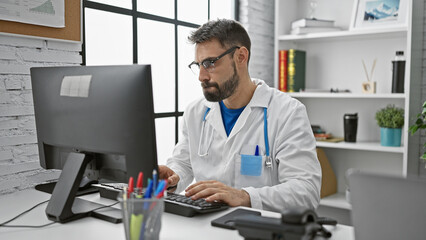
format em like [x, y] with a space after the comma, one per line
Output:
[257, 16]
[19, 161]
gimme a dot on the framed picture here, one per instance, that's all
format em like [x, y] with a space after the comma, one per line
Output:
[379, 13]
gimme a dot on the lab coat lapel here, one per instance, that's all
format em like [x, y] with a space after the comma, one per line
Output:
[261, 98]
[214, 118]
[243, 119]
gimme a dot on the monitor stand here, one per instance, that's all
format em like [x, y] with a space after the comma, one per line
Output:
[64, 207]
[48, 188]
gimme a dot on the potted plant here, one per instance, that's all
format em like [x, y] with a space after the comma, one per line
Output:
[420, 124]
[390, 120]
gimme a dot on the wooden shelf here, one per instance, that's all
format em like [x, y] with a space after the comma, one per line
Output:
[352, 34]
[337, 200]
[366, 146]
[347, 95]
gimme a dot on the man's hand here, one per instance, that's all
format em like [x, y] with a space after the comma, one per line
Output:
[217, 191]
[167, 173]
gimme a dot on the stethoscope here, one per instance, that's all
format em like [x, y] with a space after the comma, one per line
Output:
[205, 143]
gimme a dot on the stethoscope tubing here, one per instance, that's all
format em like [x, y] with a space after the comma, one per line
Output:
[268, 161]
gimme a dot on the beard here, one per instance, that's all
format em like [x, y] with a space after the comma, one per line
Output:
[221, 92]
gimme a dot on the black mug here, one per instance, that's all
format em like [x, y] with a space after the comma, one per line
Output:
[350, 122]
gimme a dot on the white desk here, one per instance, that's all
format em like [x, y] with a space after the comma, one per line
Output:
[173, 226]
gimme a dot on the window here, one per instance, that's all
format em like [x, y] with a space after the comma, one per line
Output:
[153, 32]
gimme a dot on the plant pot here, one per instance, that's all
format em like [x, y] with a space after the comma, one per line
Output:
[390, 137]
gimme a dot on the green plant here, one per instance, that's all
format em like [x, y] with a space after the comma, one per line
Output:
[420, 124]
[390, 117]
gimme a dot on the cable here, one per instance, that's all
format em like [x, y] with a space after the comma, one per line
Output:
[24, 212]
[28, 226]
[103, 207]
[44, 225]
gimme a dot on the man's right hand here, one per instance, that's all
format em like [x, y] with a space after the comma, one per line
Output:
[170, 175]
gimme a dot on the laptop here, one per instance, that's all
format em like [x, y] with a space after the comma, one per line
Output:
[387, 207]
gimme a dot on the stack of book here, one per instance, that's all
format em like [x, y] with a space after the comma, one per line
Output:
[321, 135]
[291, 70]
[312, 25]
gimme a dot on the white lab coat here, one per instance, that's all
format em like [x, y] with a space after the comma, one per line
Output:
[295, 176]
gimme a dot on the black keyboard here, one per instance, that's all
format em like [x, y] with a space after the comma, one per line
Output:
[185, 206]
[173, 203]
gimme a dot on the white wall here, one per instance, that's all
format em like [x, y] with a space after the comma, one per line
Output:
[19, 162]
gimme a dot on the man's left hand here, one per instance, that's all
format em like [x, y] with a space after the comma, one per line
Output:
[217, 191]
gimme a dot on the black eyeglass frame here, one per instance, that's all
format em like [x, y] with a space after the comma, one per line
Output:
[210, 62]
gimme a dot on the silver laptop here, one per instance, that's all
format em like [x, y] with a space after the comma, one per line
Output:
[385, 207]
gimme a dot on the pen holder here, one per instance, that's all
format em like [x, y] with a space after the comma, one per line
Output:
[141, 217]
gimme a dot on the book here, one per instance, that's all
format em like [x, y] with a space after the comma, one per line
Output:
[332, 139]
[316, 90]
[322, 136]
[296, 70]
[312, 22]
[305, 30]
[282, 70]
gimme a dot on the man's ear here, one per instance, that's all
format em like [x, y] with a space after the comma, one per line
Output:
[242, 55]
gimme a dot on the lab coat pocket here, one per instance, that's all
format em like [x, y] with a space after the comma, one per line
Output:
[251, 165]
[250, 171]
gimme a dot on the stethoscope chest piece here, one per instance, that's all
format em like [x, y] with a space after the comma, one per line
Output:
[268, 162]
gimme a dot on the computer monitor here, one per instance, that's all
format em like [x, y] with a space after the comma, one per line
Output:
[96, 121]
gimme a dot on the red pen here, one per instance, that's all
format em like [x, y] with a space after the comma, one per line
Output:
[139, 183]
[130, 187]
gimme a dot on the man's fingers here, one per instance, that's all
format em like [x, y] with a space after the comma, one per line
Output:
[201, 183]
[219, 196]
[164, 172]
[204, 193]
[173, 180]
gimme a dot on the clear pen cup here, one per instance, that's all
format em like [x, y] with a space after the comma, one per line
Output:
[141, 217]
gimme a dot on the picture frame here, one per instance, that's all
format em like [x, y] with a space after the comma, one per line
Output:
[379, 14]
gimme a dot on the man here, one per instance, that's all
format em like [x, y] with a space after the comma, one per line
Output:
[246, 144]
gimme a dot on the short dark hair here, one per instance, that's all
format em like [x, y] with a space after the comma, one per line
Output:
[228, 32]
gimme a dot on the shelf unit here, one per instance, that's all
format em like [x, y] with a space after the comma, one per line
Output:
[334, 61]
[362, 146]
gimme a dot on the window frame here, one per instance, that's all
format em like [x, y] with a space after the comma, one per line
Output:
[135, 14]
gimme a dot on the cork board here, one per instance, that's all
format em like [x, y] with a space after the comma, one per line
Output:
[71, 31]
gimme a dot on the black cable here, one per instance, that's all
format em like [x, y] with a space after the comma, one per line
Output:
[44, 225]
[103, 207]
[24, 212]
[29, 226]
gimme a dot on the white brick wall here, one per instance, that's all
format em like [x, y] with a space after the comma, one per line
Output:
[257, 16]
[19, 162]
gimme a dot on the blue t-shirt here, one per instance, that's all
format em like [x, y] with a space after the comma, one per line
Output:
[229, 116]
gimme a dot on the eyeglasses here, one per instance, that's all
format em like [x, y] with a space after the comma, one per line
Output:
[208, 64]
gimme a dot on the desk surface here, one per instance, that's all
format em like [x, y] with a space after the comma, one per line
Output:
[173, 226]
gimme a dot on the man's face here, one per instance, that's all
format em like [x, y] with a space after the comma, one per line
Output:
[220, 83]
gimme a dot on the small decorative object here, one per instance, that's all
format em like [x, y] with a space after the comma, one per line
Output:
[311, 24]
[390, 121]
[379, 13]
[312, 5]
[369, 86]
[418, 125]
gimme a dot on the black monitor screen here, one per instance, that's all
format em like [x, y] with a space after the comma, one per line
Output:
[96, 121]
